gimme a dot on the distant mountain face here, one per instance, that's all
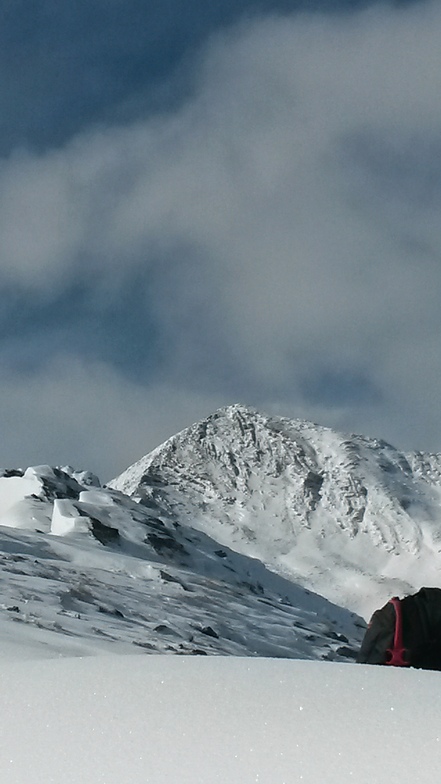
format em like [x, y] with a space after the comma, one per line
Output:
[347, 516]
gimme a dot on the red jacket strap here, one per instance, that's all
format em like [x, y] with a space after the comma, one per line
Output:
[397, 653]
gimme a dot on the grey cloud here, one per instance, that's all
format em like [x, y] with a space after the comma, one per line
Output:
[273, 217]
[84, 414]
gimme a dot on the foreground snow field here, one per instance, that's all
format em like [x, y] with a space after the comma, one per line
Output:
[216, 720]
[258, 541]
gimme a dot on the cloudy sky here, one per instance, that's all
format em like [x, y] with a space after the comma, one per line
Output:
[212, 202]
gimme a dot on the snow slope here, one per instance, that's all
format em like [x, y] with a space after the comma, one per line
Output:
[84, 569]
[347, 516]
[195, 720]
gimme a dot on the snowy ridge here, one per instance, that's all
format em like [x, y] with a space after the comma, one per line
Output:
[85, 569]
[347, 516]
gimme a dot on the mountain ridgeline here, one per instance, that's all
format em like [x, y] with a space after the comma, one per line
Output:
[347, 516]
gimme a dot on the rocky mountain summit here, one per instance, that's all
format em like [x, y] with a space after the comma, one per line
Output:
[350, 517]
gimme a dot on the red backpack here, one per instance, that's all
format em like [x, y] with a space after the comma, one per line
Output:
[405, 632]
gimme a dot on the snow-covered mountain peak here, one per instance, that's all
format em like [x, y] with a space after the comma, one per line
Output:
[308, 501]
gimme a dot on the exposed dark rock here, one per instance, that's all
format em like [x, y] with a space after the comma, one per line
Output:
[110, 611]
[168, 578]
[209, 632]
[147, 645]
[164, 543]
[105, 534]
[348, 653]
[339, 637]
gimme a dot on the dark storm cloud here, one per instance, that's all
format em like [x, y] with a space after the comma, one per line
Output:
[65, 65]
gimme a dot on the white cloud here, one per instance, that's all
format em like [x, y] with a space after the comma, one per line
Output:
[288, 212]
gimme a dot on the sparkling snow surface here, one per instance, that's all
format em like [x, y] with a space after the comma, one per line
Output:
[217, 720]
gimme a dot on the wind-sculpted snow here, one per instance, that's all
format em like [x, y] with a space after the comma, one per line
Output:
[85, 569]
[348, 516]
